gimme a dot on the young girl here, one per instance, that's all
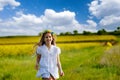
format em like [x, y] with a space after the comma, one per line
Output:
[48, 61]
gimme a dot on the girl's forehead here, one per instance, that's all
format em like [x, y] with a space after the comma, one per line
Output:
[48, 34]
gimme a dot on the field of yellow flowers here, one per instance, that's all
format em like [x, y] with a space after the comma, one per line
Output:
[59, 39]
[28, 49]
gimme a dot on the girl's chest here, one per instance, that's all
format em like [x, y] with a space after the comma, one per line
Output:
[48, 53]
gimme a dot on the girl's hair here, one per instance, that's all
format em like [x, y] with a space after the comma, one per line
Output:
[42, 42]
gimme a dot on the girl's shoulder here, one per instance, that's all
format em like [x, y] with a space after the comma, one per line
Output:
[56, 47]
[40, 47]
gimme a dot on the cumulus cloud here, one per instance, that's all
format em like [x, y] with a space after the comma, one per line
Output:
[101, 8]
[91, 23]
[60, 18]
[90, 26]
[30, 24]
[107, 11]
[20, 24]
[110, 22]
[4, 3]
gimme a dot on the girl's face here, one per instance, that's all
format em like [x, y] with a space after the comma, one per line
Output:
[48, 38]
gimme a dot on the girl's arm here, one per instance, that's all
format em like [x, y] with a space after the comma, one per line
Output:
[37, 61]
[59, 66]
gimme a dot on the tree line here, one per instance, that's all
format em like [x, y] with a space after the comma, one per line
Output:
[99, 32]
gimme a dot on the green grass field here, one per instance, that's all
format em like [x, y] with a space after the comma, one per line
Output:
[80, 61]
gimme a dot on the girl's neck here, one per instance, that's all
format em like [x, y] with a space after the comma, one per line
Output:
[48, 46]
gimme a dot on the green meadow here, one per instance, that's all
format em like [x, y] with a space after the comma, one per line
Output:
[91, 60]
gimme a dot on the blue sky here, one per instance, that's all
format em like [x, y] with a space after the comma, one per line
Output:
[29, 17]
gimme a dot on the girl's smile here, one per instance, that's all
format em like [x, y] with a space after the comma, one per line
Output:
[48, 38]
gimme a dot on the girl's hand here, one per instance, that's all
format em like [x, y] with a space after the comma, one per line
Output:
[36, 66]
[61, 73]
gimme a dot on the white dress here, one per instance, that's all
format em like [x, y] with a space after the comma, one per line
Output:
[48, 61]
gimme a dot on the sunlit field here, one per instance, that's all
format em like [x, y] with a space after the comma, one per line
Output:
[80, 61]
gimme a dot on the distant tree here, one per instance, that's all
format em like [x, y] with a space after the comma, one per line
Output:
[75, 32]
[62, 33]
[68, 33]
[40, 34]
[86, 33]
[118, 28]
[101, 32]
[116, 32]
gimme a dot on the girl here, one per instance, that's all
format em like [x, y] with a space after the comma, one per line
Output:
[48, 58]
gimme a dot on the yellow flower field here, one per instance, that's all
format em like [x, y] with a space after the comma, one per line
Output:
[71, 38]
[27, 49]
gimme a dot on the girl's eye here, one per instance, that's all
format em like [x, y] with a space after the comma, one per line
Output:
[48, 37]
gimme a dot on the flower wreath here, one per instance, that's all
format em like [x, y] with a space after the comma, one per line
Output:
[49, 31]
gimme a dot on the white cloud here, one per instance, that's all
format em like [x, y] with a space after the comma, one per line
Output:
[110, 22]
[101, 8]
[90, 26]
[29, 24]
[91, 23]
[58, 18]
[4, 3]
[107, 11]
[20, 24]
[27, 20]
